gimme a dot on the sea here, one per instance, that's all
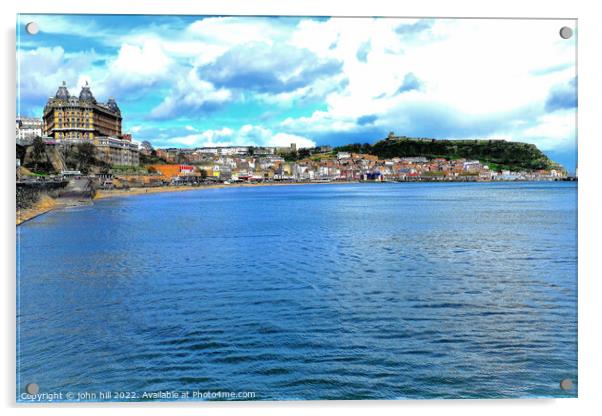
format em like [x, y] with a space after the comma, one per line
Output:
[313, 292]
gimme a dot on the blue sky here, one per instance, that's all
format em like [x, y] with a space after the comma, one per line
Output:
[188, 81]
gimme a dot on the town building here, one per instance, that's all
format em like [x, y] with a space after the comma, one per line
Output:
[323, 149]
[79, 119]
[117, 151]
[28, 128]
[69, 117]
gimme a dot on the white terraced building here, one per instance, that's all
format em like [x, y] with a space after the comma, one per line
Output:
[28, 128]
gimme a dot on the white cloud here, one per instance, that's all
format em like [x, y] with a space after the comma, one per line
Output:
[486, 76]
[553, 130]
[230, 31]
[136, 66]
[35, 65]
[321, 121]
[42, 70]
[285, 140]
[148, 60]
[190, 95]
[247, 135]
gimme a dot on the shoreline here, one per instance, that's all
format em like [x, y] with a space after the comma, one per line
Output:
[113, 193]
[47, 204]
[43, 205]
[28, 214]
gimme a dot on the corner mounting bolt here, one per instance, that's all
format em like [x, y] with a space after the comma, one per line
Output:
[566, 32]
[566, 384]
[32, 28]
[32, 388]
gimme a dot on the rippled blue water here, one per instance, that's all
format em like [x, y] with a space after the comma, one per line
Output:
[356, 291]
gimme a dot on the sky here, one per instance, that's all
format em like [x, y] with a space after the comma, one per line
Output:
[192, 81]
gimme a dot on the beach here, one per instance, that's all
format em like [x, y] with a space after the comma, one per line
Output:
[44, 205]
[47, 204]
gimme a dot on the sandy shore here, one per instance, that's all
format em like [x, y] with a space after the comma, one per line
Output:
[44, 205]
[103, 193]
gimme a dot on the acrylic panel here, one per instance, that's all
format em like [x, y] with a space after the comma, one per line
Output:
[295, 208]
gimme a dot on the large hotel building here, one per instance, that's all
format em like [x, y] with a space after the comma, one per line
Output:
[69, 118]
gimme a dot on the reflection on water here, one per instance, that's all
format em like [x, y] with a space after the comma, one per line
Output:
[375, 291]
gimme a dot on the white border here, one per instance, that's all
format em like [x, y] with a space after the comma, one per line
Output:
[590, 155]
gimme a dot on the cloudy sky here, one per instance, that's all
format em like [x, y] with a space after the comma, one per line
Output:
[186, 81]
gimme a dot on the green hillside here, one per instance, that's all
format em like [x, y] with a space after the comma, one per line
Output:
[499, 154]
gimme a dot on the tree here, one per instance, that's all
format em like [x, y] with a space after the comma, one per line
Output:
[105, 168]
[291, 156]
[303, 153]
[85, 156]
[38, 151]
[146, 145]
[203, 174]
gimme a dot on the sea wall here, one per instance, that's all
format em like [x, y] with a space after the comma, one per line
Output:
[29, 193]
